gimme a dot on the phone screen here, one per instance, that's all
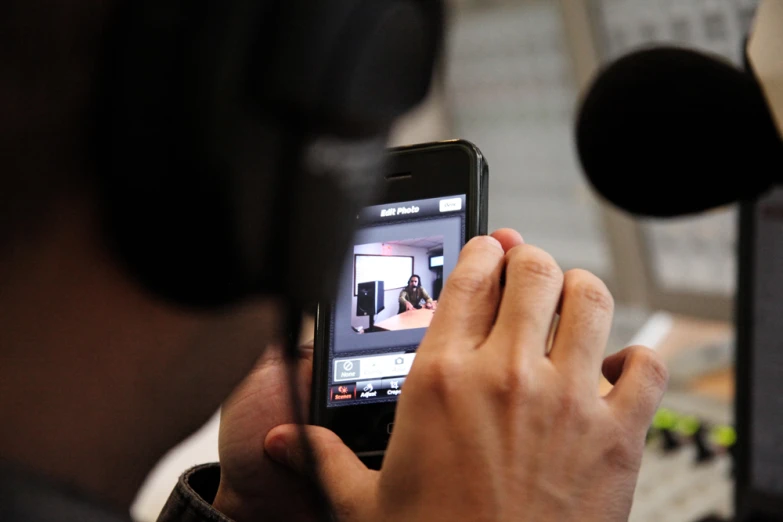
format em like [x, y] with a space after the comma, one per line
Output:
[388, 294]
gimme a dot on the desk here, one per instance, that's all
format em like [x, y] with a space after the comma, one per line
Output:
[411, 319]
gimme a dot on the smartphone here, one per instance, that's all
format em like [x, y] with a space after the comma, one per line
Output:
[405, 247]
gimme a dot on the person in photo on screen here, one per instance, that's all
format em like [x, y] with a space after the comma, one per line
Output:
[413, 294]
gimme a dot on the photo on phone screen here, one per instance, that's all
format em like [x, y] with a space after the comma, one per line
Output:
[388, 295]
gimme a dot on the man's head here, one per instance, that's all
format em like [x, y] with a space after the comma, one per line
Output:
[95, 372]
[414, 281]
[80, 338]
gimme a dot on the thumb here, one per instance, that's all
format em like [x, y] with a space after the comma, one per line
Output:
[343, 476]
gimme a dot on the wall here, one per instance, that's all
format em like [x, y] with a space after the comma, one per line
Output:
[421, 266]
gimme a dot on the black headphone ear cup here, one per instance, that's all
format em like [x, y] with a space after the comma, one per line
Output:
[199, 240]
[188, 167]
[224, 176]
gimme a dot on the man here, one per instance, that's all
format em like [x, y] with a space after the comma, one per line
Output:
[99, 379]
[412, 295]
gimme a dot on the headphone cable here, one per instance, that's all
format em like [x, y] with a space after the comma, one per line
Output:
[294, 315]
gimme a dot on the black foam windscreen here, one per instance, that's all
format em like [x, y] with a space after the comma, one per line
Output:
[667, 131]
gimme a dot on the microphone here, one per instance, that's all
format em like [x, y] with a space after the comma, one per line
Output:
[666, 132]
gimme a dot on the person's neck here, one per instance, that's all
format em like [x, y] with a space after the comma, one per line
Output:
[66, 376]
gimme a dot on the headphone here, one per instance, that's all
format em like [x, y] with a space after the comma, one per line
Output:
[237, 139]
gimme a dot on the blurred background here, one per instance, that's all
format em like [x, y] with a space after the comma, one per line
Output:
[511, 83]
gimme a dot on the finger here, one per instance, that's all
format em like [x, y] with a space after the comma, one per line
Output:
[470, 297]
[306, 351]
[345, 478]
[508, 238]
[583, 330]
[534, 283]
[640, 378]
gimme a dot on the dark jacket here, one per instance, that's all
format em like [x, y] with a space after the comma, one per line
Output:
[31, 498]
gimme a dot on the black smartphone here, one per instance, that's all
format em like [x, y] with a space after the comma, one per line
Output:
[405, 246]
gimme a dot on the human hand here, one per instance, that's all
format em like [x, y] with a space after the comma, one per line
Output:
[408, 306]
[428, 306]
[252, 486]
[491, 426]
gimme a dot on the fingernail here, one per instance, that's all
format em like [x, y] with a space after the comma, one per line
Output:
[488, 239]
[496, 242]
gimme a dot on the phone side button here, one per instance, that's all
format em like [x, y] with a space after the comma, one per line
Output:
[389, 428]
